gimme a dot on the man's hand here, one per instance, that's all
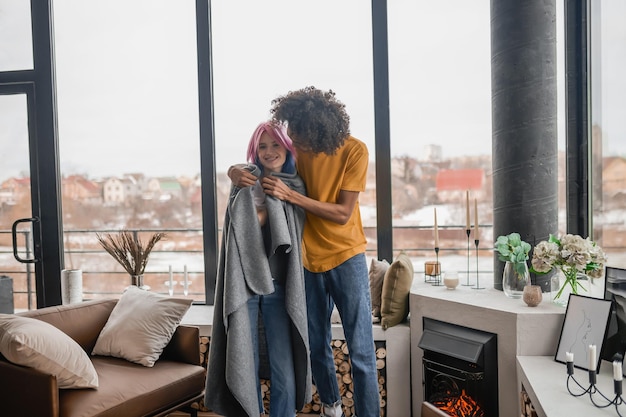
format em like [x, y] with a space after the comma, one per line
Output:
[241, 177]
[338, 212]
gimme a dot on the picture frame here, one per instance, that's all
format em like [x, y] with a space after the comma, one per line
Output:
[615, 291]
[586, 323]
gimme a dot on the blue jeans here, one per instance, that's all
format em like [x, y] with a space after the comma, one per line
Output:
[278, 336]
[347, 286]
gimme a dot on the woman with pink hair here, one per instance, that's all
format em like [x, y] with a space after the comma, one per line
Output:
[260, 285]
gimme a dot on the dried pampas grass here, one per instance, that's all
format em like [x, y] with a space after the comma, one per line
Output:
[127, 249]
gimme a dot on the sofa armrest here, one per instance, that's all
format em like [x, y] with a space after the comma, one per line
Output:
[27, 391]
[184, 345]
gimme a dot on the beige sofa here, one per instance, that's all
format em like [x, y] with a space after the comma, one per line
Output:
[125, 389]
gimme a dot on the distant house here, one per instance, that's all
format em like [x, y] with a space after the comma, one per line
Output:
[163, 189]
[113, 191]
[117, 191]
[14, 189]
[79, 188]
[451, 184]
[614, 176]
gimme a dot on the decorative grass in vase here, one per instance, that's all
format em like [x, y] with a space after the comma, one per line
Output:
[129, 251]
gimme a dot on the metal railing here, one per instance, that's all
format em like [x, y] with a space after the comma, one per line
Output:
[183, 249]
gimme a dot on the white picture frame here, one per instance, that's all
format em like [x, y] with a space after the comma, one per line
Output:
[586, 323]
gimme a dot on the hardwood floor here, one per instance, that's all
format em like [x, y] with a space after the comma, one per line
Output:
[210, 414]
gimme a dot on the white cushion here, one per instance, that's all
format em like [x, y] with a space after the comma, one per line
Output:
[36, 344]
[140, 326]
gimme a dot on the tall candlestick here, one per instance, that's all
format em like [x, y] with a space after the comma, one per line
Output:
[186, 282]
[617, 371]
[467, 211]
[592, 357]
[476, 233]
[171, 282]
[436, 230]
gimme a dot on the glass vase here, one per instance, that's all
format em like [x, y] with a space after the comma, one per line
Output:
[562, 285]
[514, 278]
[137, 281]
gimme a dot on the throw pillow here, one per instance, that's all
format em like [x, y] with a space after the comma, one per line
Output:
[376, 275]
[36, 344]
[395, 293]
[140, 326]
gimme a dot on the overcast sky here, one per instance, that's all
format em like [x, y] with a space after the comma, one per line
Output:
[126, 74]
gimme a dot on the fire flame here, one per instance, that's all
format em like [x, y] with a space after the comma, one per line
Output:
[461, 406]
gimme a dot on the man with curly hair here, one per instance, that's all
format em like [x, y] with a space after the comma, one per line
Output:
[333, 165]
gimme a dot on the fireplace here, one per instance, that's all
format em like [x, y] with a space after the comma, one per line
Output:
[460, 369]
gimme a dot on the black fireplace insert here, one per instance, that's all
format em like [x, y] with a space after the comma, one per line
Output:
[460, 369]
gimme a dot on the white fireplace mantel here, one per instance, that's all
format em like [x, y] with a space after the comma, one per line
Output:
[521, 330]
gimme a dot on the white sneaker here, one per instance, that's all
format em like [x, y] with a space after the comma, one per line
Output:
[332, 410]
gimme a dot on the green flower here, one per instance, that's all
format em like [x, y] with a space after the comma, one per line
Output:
[511, 248]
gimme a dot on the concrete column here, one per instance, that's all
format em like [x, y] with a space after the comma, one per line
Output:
[524, 122]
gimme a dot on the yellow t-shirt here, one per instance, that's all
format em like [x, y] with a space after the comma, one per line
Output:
[327, 244]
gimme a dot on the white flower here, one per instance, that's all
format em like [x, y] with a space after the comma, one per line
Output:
[569, 253]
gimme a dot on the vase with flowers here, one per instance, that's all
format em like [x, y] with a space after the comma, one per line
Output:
[514, 251]
[575, 259]
[129, 251]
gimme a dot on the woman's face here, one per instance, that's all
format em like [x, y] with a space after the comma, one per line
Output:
[272, 154]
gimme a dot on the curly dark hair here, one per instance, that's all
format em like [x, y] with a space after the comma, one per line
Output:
[317, 121]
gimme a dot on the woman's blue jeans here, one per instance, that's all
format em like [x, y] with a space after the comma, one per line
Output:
[347, 286]
[277, 327]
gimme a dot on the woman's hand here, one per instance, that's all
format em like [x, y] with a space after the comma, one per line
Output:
[277, 188]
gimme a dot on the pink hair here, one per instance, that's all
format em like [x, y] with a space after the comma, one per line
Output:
[277, 132]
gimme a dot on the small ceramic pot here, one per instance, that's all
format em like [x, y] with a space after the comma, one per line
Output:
[532, 295]
[451, 280]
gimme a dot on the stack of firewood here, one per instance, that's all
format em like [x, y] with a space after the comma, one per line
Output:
[527, 408]
[344, 380]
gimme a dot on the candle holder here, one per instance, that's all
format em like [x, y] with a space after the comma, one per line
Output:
[597, 398]
[170, 284]
[435, 277]
[477, 287]
[468, 232]
[431, 270]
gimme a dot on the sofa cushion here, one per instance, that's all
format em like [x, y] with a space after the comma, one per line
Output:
[395, 294]
[36, 344]
[129, 389]
[82, 322]
[140, 326]
[376, 275]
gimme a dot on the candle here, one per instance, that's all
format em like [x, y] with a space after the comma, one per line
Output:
[617, 370]
[171, 282]
[476, 234]
[436, 230]
[467, 211]
[569, 357]
[592, 357]
[186, 282]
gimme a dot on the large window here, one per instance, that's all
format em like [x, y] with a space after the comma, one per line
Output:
[608, 127]
[128, 138]
[262, 49]
[440, 105]
[130, 141]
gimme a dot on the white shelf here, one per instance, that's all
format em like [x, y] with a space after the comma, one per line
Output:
[545, 381]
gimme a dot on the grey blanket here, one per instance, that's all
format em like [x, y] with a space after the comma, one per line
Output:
[243, 271]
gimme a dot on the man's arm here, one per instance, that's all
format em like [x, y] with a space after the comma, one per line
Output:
[241, 177]
[339, 212]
